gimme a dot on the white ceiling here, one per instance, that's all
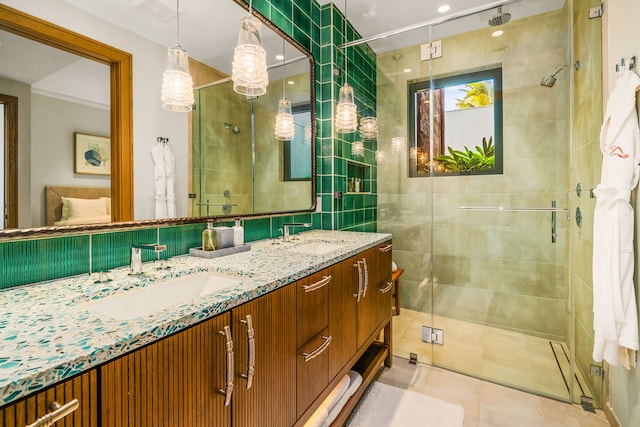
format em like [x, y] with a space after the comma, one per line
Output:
[206, 25]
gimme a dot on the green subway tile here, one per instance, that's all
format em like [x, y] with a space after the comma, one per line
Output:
[349, 201]
[257, 229]
[315, 13]
[29, 261]
[326, 147]
[326, 221]
[302, 37]
[264, 8]
[338, 166]
[326, 184]
[179, 239]
[281, 21]
[340, 183]
[325, 15]
[326, 109]
[359, 201]
[327, 203]
[359, 216]
[301, 19]
[112, 250]
[282, 6]
[348, 219]
[317, 221]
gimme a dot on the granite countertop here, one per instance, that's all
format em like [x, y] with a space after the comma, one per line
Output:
[48, 335]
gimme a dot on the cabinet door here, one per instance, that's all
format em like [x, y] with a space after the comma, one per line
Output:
[265, 339]
[366, 306]
[383, 302]
[84, 388]
[312, 302]
[172, 382]
[343, 300]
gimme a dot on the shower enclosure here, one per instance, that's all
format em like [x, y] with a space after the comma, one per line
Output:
[479, 200]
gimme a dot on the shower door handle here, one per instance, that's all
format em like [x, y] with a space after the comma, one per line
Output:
[554, 234]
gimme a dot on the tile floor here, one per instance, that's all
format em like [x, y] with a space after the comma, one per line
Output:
[487, 404]
[502, 356]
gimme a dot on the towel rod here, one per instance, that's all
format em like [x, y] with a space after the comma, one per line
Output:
[510, 209]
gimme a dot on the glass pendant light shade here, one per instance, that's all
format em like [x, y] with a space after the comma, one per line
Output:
[357, 148]
[369, 127]
[413, 153]
[249, 67]
[285, 128]
[177, 85]
[380, 155]
[307, 134]
[397, 144]
[346, 114]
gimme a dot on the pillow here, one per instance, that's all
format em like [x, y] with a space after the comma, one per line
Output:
[83, 207]
[107, 200]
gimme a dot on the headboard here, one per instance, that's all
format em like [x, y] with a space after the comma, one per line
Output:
[53, 196]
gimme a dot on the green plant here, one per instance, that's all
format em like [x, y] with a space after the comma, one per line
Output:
[481, 159]
[476, 94]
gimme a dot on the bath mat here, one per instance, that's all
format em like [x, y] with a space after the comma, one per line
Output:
[386, 406]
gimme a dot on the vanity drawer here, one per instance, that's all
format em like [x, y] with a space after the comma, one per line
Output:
[312, 301]
[312, 370]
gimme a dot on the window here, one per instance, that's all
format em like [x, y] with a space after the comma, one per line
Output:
[467, 124]
[297, 152]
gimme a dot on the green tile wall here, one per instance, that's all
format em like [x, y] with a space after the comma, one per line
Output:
[319, 29]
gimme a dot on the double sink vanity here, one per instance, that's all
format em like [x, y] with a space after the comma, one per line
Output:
[257, 338]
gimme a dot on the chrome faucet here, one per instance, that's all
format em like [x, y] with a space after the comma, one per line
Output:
[286, 227]
[136, 254]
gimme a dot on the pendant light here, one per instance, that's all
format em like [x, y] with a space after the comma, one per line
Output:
[285, 128]
[357, 148]
[346, 111]
[177, 85]
[380, 156]
[249, 67]
[369, 127]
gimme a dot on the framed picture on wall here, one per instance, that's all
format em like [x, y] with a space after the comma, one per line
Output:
[92, 154]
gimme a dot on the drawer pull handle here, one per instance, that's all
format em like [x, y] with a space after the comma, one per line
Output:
[252, 351]
[58, 412]
[322, 347]
[319, 284]
[366, 277]
[386, 248]
[228, 388]
[359, 294]
[387, 289]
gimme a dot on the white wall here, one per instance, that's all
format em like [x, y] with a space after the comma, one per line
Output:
[53, 124]
[149, 118]
[620, 39]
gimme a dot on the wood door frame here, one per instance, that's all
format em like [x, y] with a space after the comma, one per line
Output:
[10, 168]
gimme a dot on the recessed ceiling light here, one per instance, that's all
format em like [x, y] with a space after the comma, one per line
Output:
[444, 8]
[497, 33]
[407, 70]
[291, 82]
[279, 57]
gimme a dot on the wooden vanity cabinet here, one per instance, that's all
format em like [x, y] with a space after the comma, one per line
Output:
[267, 399]
[179, 380]
[173, 382]
[84, 388]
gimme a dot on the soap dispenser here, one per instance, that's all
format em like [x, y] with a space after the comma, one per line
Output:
[238, 234]
[209, 237]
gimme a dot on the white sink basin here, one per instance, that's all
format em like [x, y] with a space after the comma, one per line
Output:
[146, 301]
[316, 248]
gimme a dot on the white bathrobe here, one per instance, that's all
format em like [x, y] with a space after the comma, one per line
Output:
[165, 179]
[615, 316]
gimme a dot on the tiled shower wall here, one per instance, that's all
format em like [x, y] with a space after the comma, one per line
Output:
[495, 268]
[319, 30]
[587, 162]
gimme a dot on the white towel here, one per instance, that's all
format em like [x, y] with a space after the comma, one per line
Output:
[355, 379]
[164, 180]
[615, 319]
[320, 415]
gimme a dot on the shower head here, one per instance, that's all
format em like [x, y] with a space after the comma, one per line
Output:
[550, 80]
[500, 18]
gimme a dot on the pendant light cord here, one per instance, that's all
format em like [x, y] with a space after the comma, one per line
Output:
[250, 7]
[284, 73]
[346, 59]
[178, 22]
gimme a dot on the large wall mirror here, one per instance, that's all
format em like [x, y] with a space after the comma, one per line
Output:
[228, 161]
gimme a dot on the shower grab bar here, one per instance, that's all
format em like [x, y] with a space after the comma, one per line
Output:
[511, 209]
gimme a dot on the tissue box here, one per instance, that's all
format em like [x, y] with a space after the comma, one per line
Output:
[224, 237]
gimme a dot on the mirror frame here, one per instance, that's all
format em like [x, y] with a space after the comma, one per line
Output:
[121, 64]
